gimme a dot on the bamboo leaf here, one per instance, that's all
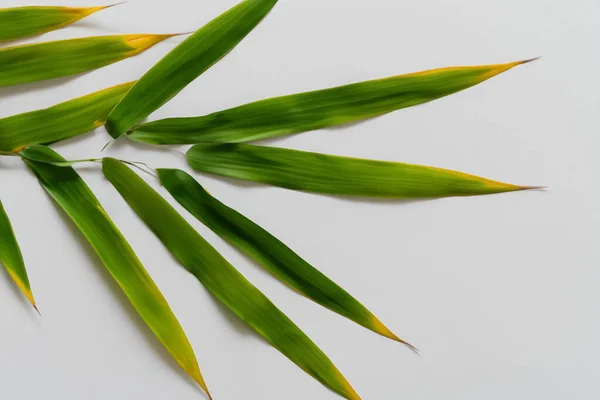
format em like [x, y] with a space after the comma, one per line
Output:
[222, 279]
[322, 173]
[11, 257]
[77, 200]
[59, 122]
[21, 22]
[269, 251]
[186, 62]
[316, 110]
[48, 60]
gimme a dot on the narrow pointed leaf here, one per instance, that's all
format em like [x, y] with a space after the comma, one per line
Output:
[316, 110]
[322, 173]
[77, 200]
[21, 22]
[48, 60]
[59, 122]
[269, 251]
[222, 279]
[186, 62]
[11, 257]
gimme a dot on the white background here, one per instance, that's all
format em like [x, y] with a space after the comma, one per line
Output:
[500, 293]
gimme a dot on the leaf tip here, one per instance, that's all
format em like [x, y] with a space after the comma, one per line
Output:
[404, 342]
[83, 12]
[142, 42]
[197, 377]
[491, 187]
[180, 34]
[384, 331]
[497, 69]
[113, 5]
[24, 287]
[352, 395]
[530, 60]
[106, 145]
[532, 187]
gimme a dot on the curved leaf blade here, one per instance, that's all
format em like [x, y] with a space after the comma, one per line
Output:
[318, 109]
[72, 194]
[322, 173]
[60, 122]
[186, 62]
[19, 22]
[11, 257]
[222, 279]
[274, 255]
[49, 60]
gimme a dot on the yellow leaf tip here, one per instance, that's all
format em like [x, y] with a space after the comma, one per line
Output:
[114, 5]
[528, 60]
[86, 11]
[404, 342]
[196, 375]
[143, 41]
[25, 289]
[344, 388]
[386, 332]
[502, 187]
[497, 69]
[532, 187]
[181, 34]
[353, 395]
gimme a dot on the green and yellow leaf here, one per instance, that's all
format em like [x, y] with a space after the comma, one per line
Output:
[222, 279]
[269, 251]
[72, 194]
[11, 257]
[322, 173]
[59, 122]
[316, 110]
[19, 22]
[48, 60]
[185, 63]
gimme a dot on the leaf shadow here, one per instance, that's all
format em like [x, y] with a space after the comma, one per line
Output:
[101, 273]
[16, 42]
[381, 201]
[8, 91]
[123, 141]
[75, 139]
[88, 23]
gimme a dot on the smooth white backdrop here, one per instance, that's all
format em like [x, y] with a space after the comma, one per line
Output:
[500, 293]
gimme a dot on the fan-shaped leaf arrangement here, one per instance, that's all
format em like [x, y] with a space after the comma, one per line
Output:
[218, 149]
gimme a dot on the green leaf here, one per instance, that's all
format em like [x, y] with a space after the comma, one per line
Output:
[59, 122]
[21, 22]
[11, 257]
[269, 251]
[41, 61]
[222, 279]
[316, 110]
[322, 173]
[71, 193]
[186, 62]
